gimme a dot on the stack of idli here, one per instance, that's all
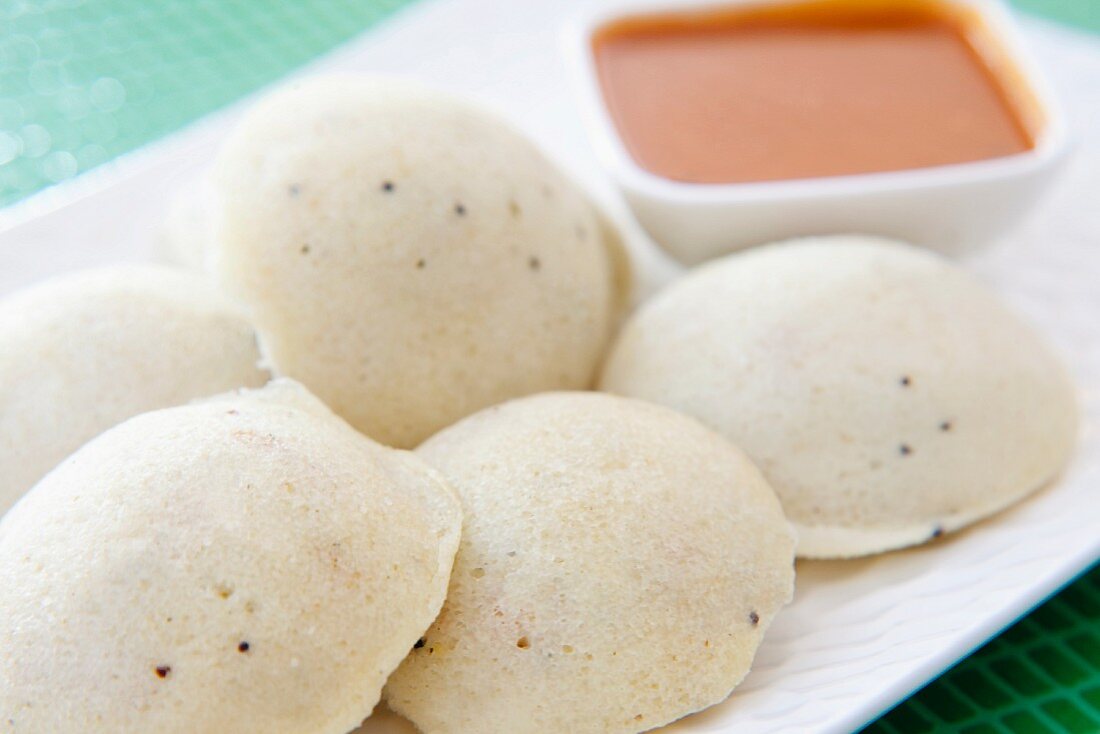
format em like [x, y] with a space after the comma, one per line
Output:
[547, 560]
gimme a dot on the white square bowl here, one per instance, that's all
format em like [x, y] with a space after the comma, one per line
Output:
[949, 208]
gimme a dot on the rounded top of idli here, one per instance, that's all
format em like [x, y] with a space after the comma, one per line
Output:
[84, 351]
[618, 567]
[886, 394]
[80, 292]
[247, 564]
[410, 257]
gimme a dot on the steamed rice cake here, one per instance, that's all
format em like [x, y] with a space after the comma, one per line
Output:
[83, 352]
[886, 394]
[618, 567]
[246, 564]
[409, 257]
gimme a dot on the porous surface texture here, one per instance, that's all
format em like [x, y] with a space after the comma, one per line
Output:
[247, 564]
[408, 257]
[618, 568]
[83, 352]
[886, 394]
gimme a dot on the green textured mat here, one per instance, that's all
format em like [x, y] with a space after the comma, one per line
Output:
[1081, 13]
[1040, 676]
[82, 81]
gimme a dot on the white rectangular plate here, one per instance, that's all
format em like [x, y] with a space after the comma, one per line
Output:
[860, 635]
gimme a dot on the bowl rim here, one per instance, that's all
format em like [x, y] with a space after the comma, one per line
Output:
[1051, 144]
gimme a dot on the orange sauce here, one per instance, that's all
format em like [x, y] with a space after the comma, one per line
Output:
[822, 88]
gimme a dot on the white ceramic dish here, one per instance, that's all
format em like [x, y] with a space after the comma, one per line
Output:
[860, 635]
[948, 208]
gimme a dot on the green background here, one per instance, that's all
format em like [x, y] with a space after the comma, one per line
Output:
[82, 81]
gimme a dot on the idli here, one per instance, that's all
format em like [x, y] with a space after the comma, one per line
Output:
[618, 567]
[408, 257]
[886, 394]
[83, 352]
[189, 226]
[247, 564]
